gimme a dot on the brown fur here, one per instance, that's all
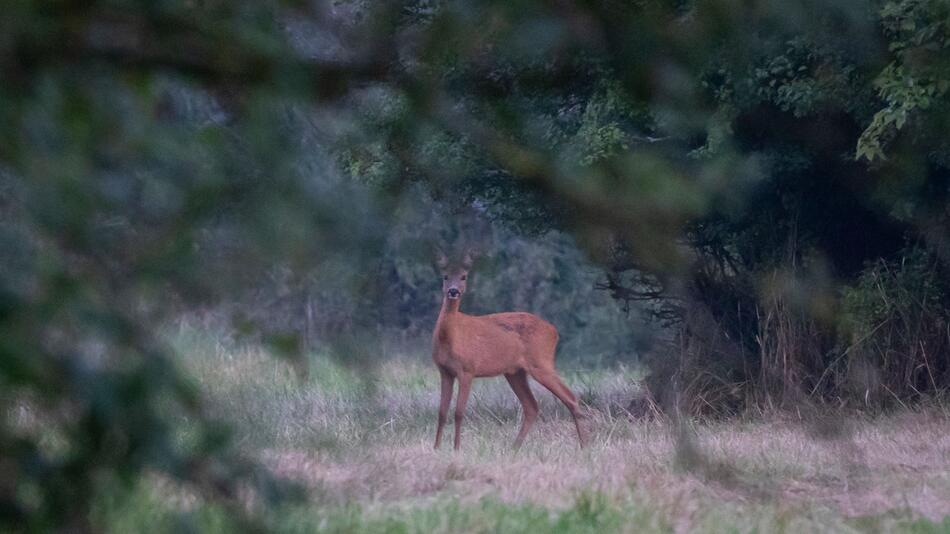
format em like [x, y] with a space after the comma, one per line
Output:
[513, 344]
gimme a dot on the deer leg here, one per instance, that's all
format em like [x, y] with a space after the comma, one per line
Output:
[553, 383]
[447, 384]
[465, 386]
[519, 384]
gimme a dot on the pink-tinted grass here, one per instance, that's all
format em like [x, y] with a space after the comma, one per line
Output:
[367, 440]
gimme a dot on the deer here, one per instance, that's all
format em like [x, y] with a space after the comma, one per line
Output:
[513, 344]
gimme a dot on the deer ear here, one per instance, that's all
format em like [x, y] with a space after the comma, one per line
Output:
[469, 258]
[441, 260]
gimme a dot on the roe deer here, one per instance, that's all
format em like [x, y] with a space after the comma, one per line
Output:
[513, 344]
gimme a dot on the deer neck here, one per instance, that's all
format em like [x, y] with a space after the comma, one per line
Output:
[447, 316]
[446, 326]
[450, 308]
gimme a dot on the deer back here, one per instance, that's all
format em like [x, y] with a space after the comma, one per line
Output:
[490, 345]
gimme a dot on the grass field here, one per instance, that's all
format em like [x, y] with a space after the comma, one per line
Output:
[362, 443]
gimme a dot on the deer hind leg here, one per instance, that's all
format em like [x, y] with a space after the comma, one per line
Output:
[448, 382]
[550, 380]
[465, 386]
[519, 384]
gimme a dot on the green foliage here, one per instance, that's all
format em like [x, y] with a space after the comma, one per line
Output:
[591, 513]
[605, 128]
[886, 290]
[119, 161]
[895, 319]
[919, 76]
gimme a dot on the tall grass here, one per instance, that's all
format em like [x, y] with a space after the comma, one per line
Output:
[361, 443]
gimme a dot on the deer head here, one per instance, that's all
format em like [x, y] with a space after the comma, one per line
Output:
[454, 277]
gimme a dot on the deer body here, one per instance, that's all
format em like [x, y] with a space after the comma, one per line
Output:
[514, 344]
[493, 345]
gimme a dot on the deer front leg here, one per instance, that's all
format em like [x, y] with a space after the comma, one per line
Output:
[465, 386]
[447, 384]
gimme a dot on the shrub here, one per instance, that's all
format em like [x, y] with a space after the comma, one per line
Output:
[894, 335]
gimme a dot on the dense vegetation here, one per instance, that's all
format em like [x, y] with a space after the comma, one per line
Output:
[764, 184]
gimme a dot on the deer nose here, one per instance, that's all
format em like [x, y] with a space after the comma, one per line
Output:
[453, 292]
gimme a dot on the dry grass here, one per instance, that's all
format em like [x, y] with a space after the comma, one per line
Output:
[369, 443]
[900, 465]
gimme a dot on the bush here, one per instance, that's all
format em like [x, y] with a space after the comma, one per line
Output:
[894, 336]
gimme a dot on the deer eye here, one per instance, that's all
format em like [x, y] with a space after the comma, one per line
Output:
[464, 277]
[445, 277]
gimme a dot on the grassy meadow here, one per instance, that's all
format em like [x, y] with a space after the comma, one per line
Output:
[361, 442]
